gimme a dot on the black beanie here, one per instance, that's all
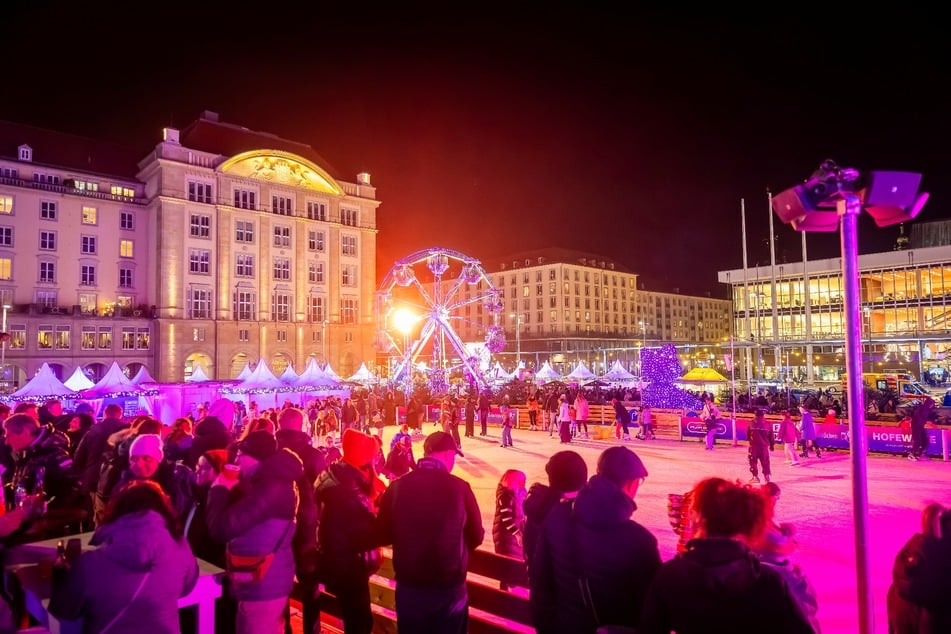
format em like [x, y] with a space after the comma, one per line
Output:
[567, 471]
[260, 445]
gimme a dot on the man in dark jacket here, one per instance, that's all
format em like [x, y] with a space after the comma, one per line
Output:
[290, 435]
[255, 516]
[595, 542]
[210, 433]
[761, 439]
[484, 412]
[432, 519]
[87, 460]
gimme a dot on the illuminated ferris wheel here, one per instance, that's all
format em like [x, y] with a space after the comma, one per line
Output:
[415, 315]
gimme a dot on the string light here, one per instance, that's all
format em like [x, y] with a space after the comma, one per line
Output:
[661, 368]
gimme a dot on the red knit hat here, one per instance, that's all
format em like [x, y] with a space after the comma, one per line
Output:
[359, 449]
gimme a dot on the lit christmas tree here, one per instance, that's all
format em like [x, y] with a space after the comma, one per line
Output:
[661, 369]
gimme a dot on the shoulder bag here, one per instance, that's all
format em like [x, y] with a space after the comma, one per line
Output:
[250, 569]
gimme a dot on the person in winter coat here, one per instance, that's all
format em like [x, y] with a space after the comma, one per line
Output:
[789, 435]
[582, 413]
[923, 414]
[622, 417]
[719, 584]
[290, 435]
[142, 565]
[178, 440]
[564, 419]
[256, 516]
[88, 457]
[904, 615]
[567, 473]
[807, 429]
[710, 414]
[760, 435]
[593, 544]
[146, 462]
[347, 493]
[400, 460]
[116, 460]
[509, 518]
[210, 433]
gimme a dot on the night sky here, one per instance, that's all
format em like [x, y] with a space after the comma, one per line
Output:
[493, 130]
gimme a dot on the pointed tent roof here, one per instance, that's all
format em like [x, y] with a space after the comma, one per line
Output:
[289, 376]
[114, 382]
[618, 373]
[547, 373]
[581, 372]
[261, 378]
[43, 385]
[198, 375]
[245, 373]
[143, 376]
[329, 371]
[313, 376]
[363, 374]
[78, 381]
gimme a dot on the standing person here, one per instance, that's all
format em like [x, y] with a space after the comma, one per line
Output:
[347, 494]
[509, 520]
[508, 422]
[594, 546]
[454, 420]
[291, 435]
[622, 418]
[710, 414]
[90, 454]
[256, 516]
[470, 417]
[362, 409]
[789, 436]
[567, 473]
[552, 405]
[140, 569]
[413, 411]
[760, 436]
[564, 419]
[582, 412]
[484, 412]
[388, 410]
[533, 411]
[430, 573]
[919, 437]
[719, 580]
[807, 429]
[400, 460]
[647, 423]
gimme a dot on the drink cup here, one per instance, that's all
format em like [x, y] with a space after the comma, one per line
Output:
[231, 472]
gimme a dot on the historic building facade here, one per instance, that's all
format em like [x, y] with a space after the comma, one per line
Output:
[221, 247]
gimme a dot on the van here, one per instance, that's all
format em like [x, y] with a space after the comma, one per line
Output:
[902, 383]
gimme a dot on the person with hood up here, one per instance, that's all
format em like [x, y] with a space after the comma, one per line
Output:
[594, 545]
[142, 565]
[719, 584]
[255, 516]
[347, 494]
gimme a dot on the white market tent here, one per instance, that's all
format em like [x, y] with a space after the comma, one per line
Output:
[143, 376]
[114, 383]
[617, 374]
[289, 377]
[363, 375]
[78, 381]
[42, 386]
[198, 375]
[581, 373]
[314, 377]
[329, 371]
[547, 373]
[244, 374]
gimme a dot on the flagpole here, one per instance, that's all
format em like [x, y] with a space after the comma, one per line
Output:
[772, 292]
[746, 300]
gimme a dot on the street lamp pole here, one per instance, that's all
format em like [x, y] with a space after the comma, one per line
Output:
[3, 347]
[323, 340]
[518, 340]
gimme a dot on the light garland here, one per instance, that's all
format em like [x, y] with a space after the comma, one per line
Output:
[661, 368]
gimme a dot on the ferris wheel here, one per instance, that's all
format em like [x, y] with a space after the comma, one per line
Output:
[422, 304]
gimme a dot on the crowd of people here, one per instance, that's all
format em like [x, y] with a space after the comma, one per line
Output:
[310, 495]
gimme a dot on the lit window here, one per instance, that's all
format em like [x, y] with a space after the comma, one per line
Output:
[62, 337]
[125, 248]
[105, 339]
[6, 269]
[6, 204]
[89, 215]
[44, 337]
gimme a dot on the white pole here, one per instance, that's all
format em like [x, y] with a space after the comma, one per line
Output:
[746, 299]
[777, 361]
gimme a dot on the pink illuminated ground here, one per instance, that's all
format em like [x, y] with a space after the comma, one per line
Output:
[816, 498]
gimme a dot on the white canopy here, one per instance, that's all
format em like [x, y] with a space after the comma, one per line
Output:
[289, 377]
[42, 386]
[617, 373]
[261, 379]
[581, 372]
[78, 381]
[329, 371]
[547, 373]
[245, 373]
[363, 375]
[114, 383]
[198, 375]
[143, 376]
[313, 376]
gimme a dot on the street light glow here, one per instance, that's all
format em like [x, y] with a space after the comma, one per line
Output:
[404, 319]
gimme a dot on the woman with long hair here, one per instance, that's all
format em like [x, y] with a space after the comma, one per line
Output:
[141, 566]
[509, 520]
[179, 440]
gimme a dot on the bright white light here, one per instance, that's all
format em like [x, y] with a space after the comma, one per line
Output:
[404, 319]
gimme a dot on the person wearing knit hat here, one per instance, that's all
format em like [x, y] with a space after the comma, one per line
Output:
[359, 449]
[567, 472]
[147, 462]
[145, 454]
[259, 445]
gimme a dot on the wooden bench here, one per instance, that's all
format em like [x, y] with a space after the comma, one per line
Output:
[491, 610]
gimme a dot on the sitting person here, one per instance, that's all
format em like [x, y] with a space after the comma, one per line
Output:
[141, 567]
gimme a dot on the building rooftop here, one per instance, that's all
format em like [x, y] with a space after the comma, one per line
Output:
[552, 255]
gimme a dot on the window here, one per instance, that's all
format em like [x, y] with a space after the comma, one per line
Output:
[348, 217]
[199, 303]
[315, 309]
[198, 334]
[348, 245]
[315, 241]
[61, 337]
[125, 278]
[199, 192]
[199, 261]
[120, 191]
[200, 226]
[282, 336]
[104, 336]
[49, 179]
[87, 303]
[48, 240]
[126, 221]
[244, 302]
[128, 338]
[348, 311]
[312, 272]
[281, 307]
[245, 199]
[282, 269]
[87, 275]
[10, 172]
[87, 245]
[44, 337]
[125, 248]
[348, 275]
[17, 337]
[6, 269]
[282, 236]
[6, 204]
[318, 272]
[244, 334]
[143, 338]
[316, 210]
[282, 205]
[6, 236]
[244, 231]
[48, 272]
[89, 215]
[88, 338]
[245, 265]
